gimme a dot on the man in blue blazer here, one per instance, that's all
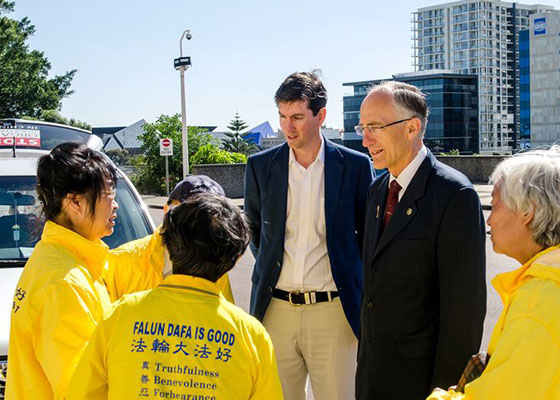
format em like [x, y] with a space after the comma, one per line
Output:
[424, 257]
[305, 203]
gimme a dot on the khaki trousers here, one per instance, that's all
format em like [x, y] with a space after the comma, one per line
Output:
[313, 339]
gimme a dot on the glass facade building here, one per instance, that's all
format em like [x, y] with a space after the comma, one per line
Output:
[479, 37]
[453, 103]
[541, 58]
[524, 91]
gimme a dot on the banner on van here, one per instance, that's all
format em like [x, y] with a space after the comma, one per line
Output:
[21, 137]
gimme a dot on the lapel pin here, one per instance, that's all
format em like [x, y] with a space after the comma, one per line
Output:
[409, 211]
[377, 215]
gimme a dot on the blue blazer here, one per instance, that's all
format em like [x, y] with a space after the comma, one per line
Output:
[348, 175]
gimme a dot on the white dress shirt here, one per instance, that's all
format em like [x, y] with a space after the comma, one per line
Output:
[405, 177]
[306, 264]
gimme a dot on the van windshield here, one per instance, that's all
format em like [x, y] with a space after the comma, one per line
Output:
[21, 222]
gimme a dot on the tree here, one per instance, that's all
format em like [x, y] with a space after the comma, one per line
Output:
[118, 156]
[212, 154]
[55, 116]
[25, 88]
[237, 142]
[452, 152]
[151, 179]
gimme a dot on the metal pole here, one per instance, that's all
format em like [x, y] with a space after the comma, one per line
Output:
[184, 126]
[183, 108]
[167, 175]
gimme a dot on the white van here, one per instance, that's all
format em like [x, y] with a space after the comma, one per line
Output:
[21, 223]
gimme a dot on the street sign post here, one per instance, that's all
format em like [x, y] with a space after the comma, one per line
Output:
[181, 64]
[166, 150]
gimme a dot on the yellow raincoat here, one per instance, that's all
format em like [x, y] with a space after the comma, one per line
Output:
[122, 277]
[525, 344]
[65, 288]
[181, 340]
[58, 301]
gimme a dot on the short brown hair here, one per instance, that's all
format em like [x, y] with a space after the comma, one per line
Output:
[304, 86]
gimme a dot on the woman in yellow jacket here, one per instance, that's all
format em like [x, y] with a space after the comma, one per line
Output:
[183, 340]
[67, 284]
[61, 295]
[525, 224]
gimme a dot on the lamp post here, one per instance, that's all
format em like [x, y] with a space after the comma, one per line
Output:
[182, 63]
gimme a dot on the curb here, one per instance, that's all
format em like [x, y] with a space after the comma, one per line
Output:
[486, 207]
[160, 207]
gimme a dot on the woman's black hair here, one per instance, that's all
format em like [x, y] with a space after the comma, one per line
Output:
[72, 168]
[205, 236]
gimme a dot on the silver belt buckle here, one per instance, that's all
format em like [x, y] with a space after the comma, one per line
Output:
[290, 298]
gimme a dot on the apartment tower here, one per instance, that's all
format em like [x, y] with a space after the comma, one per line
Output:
[482, 38]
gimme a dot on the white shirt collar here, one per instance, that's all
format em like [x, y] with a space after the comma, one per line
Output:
[405, 177]
[320, 154]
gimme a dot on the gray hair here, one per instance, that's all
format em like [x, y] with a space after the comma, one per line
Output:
[408, 99]
[530, 183]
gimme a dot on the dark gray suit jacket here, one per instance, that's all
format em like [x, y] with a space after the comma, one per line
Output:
[424, 285]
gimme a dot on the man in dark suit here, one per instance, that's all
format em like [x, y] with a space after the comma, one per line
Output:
[305, 202]
[424, 257]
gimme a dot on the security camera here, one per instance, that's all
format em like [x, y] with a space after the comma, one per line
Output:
[188, 36]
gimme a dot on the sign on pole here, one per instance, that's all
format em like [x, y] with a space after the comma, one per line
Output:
[166, 149]
[182, 62]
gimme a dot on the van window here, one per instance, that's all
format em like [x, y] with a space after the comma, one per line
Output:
[21, 222]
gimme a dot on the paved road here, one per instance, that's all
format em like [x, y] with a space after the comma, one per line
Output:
[240, 278]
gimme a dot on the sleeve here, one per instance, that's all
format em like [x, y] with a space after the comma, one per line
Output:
[267, 384]
[225, 287]
[138, 265]
[90, 379]
[135, 266]
[364, 182]
[524, 364]
[461, 255]
[66, 322]
[252, 207]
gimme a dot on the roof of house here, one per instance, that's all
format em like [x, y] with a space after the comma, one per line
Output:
[125, 138]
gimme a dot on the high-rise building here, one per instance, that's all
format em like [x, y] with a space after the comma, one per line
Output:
[453, 103]
[482, 38]
[524, 91]
[539, 62]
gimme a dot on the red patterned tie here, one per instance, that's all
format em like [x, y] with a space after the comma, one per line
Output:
[392, 201]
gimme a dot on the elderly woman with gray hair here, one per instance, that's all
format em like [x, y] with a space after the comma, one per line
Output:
[524, 351]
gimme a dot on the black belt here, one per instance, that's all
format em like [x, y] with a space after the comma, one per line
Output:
[298, 298]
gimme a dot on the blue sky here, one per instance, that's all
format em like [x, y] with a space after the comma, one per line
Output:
[241, 51]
